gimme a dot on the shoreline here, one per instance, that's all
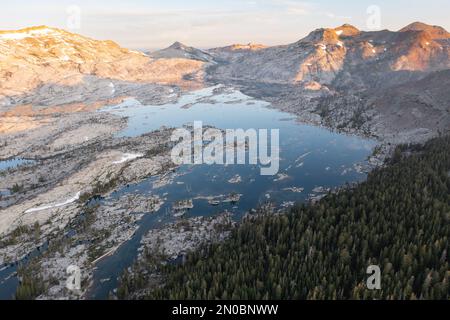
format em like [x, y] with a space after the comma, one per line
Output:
[126, 143]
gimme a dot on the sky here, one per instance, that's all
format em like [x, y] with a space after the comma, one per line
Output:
[152, 24]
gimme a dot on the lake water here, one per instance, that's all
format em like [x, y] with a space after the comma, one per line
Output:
[8, 282]
[8, 279]
[13, 163]
[311, 159]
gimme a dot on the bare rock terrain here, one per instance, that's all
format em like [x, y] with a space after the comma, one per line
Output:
[389, 85]
[339, 78]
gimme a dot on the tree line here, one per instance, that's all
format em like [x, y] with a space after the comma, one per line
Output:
[397, 219]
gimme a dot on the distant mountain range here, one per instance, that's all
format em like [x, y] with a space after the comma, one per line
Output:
[373, 82]
[315, 77]
[344, 56]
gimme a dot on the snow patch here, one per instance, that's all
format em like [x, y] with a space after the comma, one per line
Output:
[113, 87]
[56, 205]
[26, 34]
[128, 157]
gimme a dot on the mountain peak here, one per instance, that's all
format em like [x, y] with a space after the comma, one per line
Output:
[435, 32]
[322, 35]
[418, 26]
[177, 45]
[347, 30]
[179, 50]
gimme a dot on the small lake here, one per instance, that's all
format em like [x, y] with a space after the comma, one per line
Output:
[312, 159]
[14, 163]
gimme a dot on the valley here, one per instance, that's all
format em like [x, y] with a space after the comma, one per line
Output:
[85, 133]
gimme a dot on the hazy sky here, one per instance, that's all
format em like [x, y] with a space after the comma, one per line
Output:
[155, 24]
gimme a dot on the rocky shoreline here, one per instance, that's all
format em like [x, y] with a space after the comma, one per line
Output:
[170, 244]
[87, 161]
[76, 160]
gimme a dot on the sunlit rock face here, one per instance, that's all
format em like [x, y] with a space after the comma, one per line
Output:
[42, 56]
[346, 78]
[328, 55]
[32, 57]
[45, 70]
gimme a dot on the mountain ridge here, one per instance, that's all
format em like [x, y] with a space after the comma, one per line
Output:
[57, 60]
[326, 52]
[313, 77]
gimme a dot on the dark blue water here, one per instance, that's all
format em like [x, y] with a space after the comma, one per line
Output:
[309, 156]
[8, 273]
[8, 281]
